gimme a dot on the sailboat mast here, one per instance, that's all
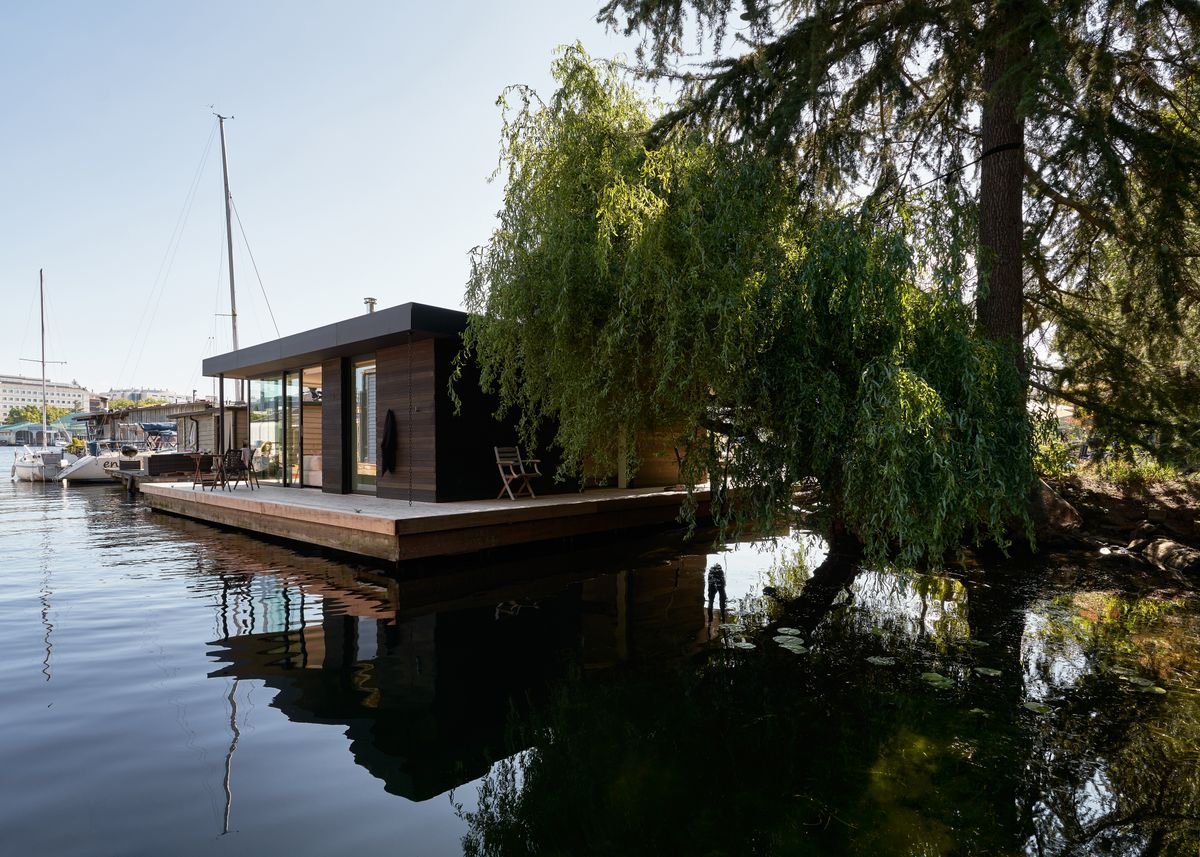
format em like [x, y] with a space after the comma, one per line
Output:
[229, 233]
[42, 308]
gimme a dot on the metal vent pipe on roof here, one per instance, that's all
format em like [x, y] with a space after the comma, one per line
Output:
[370, 302]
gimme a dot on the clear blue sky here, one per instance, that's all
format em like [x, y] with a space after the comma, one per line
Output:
[363, 138]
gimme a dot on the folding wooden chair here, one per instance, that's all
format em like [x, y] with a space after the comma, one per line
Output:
[206, 477]
[513, 468]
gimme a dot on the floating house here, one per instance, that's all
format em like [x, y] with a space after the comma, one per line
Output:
[363, 406]
[320, 403]
[358, 446]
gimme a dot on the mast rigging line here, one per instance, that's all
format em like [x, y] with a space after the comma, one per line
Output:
[254, 264]
[166, 264]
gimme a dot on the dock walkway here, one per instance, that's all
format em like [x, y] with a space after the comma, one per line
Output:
[395, 530]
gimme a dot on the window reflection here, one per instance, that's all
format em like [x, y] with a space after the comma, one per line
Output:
[266, 428]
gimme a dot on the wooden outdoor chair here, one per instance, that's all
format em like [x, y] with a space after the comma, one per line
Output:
[206, 477]
[513, 468]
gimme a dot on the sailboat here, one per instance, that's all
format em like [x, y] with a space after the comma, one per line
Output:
[44, 463]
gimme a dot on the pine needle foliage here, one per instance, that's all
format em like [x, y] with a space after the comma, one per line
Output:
[681, 287]
[1090, 115]
[1131, 337]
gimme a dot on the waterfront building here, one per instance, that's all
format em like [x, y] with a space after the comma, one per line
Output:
[196, 424]
[319, 404]
[17, 391]
[141, 394]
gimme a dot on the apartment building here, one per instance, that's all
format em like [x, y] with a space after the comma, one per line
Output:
[18, 390]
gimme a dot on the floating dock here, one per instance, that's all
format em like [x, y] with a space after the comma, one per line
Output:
[395, 530]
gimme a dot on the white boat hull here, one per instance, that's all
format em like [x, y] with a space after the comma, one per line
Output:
[41, 465]
[92, 468]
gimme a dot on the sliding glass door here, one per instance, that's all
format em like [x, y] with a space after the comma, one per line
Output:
[266, 428]
[363, 454]
[277, 413]
[311, 455]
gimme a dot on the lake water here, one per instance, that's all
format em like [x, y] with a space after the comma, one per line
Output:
[169, 688]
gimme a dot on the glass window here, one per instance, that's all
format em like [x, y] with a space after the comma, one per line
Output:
[266, 428]
[364, 426]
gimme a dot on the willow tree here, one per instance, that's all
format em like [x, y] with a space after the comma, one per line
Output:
[681, 287]
[1061, 108]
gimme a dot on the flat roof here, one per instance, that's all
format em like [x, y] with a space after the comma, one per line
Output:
[357, 335]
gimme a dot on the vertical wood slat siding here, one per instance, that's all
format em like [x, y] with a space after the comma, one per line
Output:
[312, 427]
[466, 458]
[415, 444]
[333, 427]
[466, 461]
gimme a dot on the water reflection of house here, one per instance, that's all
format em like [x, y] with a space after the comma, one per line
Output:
[425, 694]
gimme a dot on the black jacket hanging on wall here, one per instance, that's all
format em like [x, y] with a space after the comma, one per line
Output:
[387, 446]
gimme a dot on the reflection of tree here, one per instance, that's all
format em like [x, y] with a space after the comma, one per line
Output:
[769, 753]
[1114, 770]
[760, 754]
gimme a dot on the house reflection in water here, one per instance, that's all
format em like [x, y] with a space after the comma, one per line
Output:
[425, 678]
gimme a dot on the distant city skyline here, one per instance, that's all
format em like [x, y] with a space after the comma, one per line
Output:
[359, 156]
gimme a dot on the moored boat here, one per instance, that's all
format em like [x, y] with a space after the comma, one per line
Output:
[41, 465]
[46, 463]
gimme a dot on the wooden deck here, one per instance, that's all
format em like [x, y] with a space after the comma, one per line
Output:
[394, 530]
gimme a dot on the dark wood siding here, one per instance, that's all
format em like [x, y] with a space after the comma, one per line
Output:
[466, 441]
[405, 384]
[333, 427]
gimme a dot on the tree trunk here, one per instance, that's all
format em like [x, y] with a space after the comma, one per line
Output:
[999, 302]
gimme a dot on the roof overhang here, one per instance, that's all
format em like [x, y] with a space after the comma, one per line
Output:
[359, 335]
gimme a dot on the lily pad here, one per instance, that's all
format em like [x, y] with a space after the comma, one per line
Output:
[1037, 707]
[1121, 670]
[742, 644]
[979, 711]
[987, 671]
[792, 645]
[938, 680]
[1138, 680]
[791, 632]
[730, 626]
[882, 660]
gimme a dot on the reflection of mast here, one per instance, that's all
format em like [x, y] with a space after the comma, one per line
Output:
[44, 595]
[237, 733]
[46, 623]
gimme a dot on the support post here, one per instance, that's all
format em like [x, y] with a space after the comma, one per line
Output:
[221, 419]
